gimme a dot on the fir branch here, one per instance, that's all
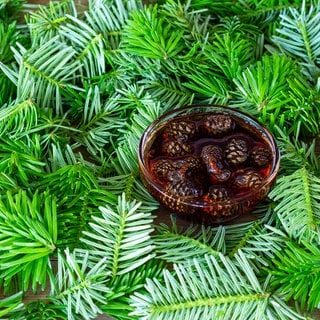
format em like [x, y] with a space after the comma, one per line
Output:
[215, 8]
[134, 68]
[70, 181]
[88, 44]
[231, 54]
[298, 35]
[148, 34]
[215, 288]
[295, 274]
[7, 183]
[28, 238]
[7, 89]
[52, 130]
[9, 74]
[45, 72]
[195, 23]
[10, 9]
[77, 287]
[275, 91]
[9, 35]
[79, 195]
[234, 26]
[132, 187]
[296, 154]
[10, 304]
[238, 233]
[100, 122]
[44, 23]
[62, 155]
[261, 86]
[76, 212]
[146, 111]
[21, 159]
[169, 89]
[259, 243]
[256, 241]
[210, 86]
[175, 245]
[40, 310]
[297, 196]
[125, 285]
[109, 18]
[126, 156]
[121, 236]
[125, 159]
[263, 13]
[305, 110]
[18, 117]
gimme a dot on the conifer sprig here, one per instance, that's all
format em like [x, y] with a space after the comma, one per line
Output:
[297, 206]
[210, 289]
[10, 304]
[295, 274]
[121, 237]
[28, 237]
[77, 287]
[298, 35]
[147, 34]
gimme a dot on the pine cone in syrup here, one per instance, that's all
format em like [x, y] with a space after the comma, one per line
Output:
[218, 197]
[176, 148]
[248, 178]
[236, 151]
[217, 193]
[182, 130]
[217, 125]
[260, 156]
[184, 188]
[178, 191]
[212, 157]
[165, 170]
[175, 170]
[189, 165]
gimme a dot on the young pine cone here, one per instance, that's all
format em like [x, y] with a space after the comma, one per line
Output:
[220, 204]
[176, 148]
[182, 130]
[236, 151]
[260, 156]
[177, 192]
[217, 125]
[162, 169]
[189, 164]
[169, 170]
[184, 189]
[212, 157]
[248, 178]
[217, 193]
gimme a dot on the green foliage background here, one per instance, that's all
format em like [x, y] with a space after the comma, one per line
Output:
[77, 90]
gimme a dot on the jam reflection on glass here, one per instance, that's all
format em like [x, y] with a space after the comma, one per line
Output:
[211, 159]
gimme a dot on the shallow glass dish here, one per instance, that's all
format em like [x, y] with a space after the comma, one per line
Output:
[207, 162]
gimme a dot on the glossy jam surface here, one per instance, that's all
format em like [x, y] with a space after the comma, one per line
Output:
[212, 163]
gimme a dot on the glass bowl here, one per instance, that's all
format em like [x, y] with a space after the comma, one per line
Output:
[210, 163]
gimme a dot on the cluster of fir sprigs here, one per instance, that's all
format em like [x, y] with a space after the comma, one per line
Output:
[78, 88]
